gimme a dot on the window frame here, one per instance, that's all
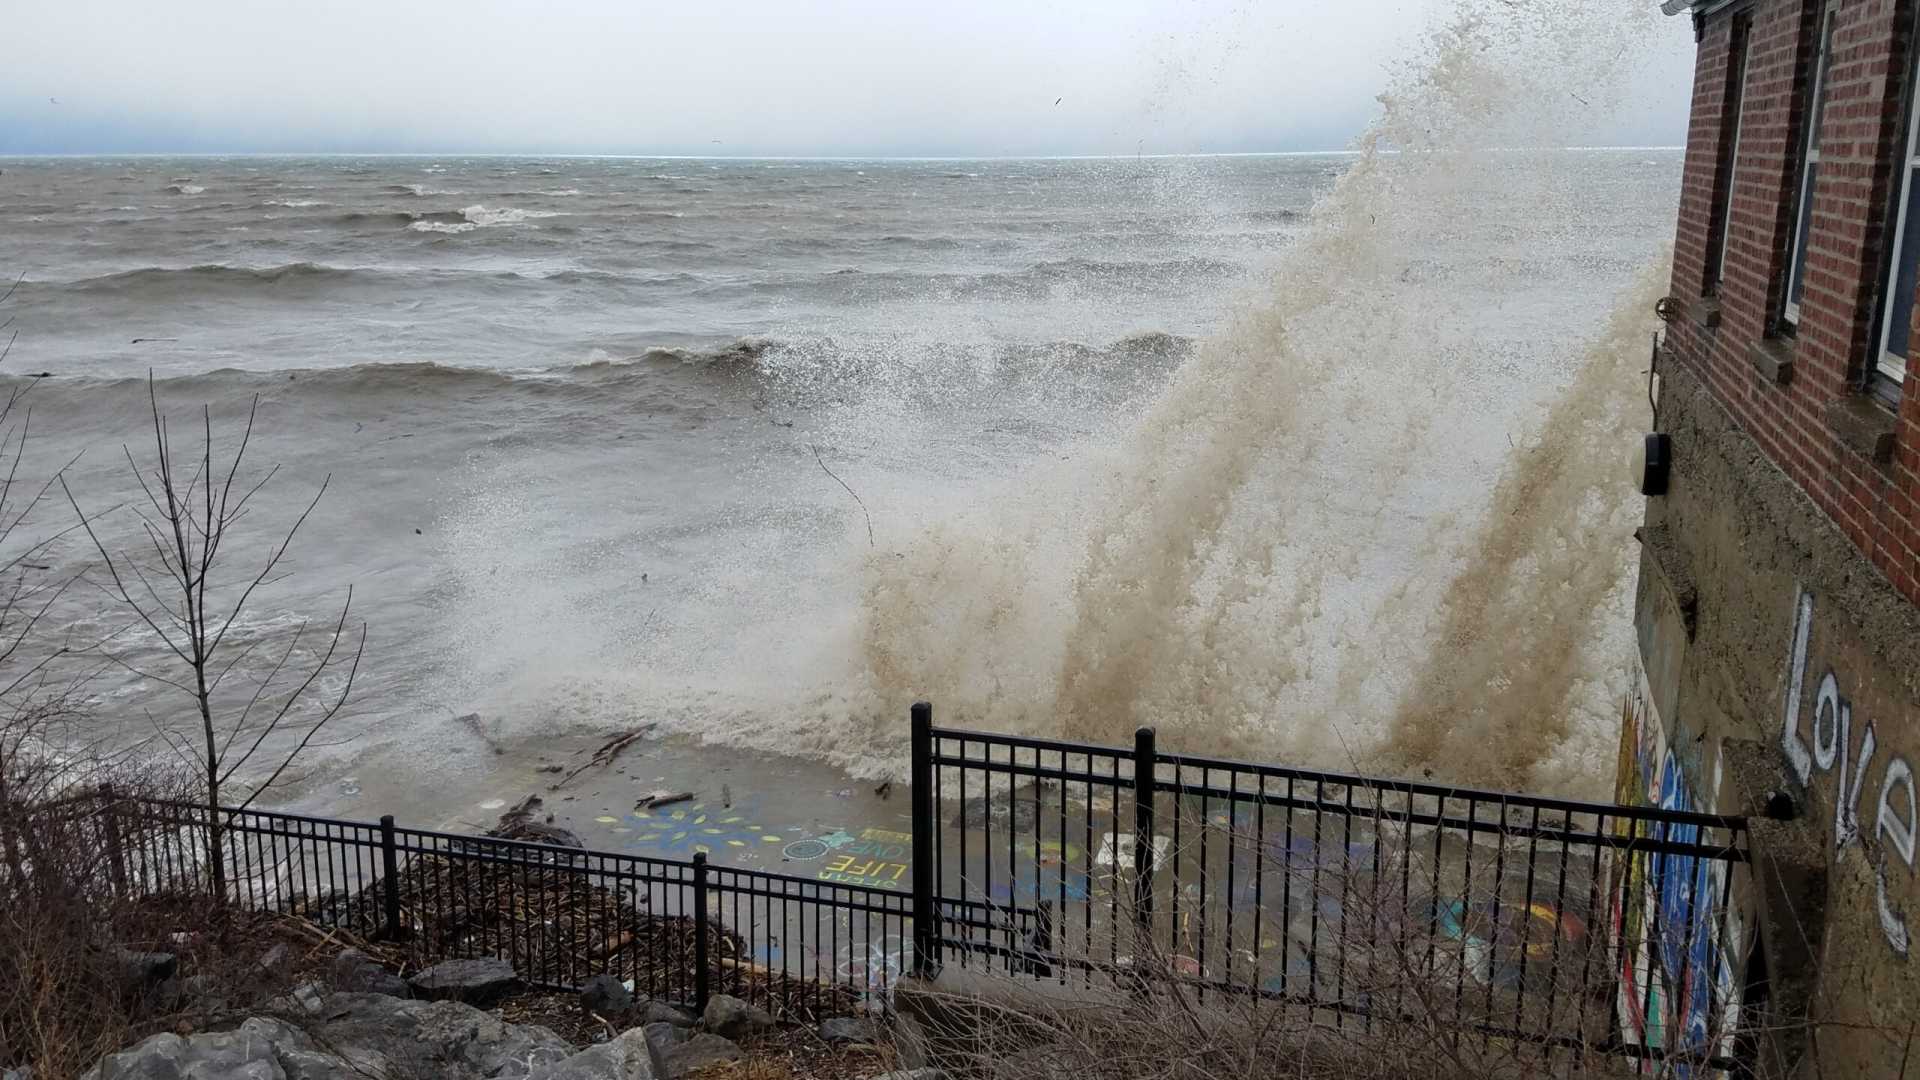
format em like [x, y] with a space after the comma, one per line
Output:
[1886, 375]
[1741, 51]
[1814, 111]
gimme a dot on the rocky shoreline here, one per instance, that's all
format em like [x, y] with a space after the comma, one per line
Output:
[438, 1024]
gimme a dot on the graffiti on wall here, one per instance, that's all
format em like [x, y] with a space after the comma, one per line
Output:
[1677, 941]
[1823, 743]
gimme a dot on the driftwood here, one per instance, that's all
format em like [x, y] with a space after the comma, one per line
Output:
[605, 755]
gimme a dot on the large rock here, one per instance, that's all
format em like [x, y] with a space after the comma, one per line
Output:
[481, 983]
[659, 1012]
[436, 1038]
[845, 1030]
[257, 1051]
[605, 995]
[356, 971]
[731, 1018]
[141, 972]
[691, 1052]
[628, 1057]
[356, 1036]
[677, 1052]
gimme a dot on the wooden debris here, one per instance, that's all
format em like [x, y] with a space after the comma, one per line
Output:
[662, 798]
[518, 824]
[605, 755]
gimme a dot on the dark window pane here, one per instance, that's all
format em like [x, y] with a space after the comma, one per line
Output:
[1900, 302]
[1796, 284]
[1820, 98]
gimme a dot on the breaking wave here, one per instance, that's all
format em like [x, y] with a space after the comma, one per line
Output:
[481, 217]
[1267, 563]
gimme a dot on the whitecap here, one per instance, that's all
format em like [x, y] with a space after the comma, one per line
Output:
[505, 215]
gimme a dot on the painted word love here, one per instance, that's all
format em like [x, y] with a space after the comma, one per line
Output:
[1831, 738]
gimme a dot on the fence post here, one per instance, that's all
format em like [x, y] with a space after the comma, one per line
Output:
[116, 858]
[390, 873]
[926, 818]
[1143, 793]
[701, 986]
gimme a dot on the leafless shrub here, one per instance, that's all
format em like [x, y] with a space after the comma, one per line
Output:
[174, 585]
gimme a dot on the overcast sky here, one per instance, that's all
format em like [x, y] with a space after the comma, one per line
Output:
[801, 77]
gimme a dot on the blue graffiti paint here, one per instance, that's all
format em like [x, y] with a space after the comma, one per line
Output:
[1685, 903]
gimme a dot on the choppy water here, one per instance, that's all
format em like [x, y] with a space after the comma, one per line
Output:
[578, 413]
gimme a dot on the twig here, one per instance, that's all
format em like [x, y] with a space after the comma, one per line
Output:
[607, 752]
[850, 491]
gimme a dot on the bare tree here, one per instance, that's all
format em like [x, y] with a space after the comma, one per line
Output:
[243, 692]
[37, 697]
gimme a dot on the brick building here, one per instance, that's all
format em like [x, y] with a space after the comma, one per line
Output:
[1778, 662]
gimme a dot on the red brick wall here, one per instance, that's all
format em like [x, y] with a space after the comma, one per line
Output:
[1876, 504]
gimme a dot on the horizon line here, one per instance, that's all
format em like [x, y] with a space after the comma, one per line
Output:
[1343, 152]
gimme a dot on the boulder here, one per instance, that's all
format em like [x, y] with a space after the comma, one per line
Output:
[659, 1012]
[679, 1051]
[481, 983]
[141, 971]
[627, 1057]
[308, 999]
[845, 1031]
[360, 1035]
[252, 1051]
[605, 995]
[349, 963]
[697, 1051]
[274, 959]
[355, 970]
[436, 1038]
[664, 1037]
[731, 1018]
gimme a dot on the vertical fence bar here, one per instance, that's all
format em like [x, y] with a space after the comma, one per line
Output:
[700, 979]
[390, 873]
[926, 912]
[110, 825]
[1143, 785]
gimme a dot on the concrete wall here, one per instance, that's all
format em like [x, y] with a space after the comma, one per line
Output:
[1777, 660]
[1778, 637]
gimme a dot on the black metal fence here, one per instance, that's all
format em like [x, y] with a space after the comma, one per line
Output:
[1586, 928]
[1583, 928]
[679, 930]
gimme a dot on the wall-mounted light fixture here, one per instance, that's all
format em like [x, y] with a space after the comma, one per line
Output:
[1654, 463]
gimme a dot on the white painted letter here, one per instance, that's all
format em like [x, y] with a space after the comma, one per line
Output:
[1846, 822]
[1891, 922]
[1899, 833]
[1790, 743]
[1827, 736]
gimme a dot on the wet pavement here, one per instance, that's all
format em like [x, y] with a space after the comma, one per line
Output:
[746, 810]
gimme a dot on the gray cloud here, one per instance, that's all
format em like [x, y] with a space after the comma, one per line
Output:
[728, 76]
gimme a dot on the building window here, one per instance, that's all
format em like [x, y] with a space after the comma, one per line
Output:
[1896, 321]
[1809, 167]
[1729, 166]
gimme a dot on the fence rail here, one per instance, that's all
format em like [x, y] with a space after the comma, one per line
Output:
[1587, 927]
